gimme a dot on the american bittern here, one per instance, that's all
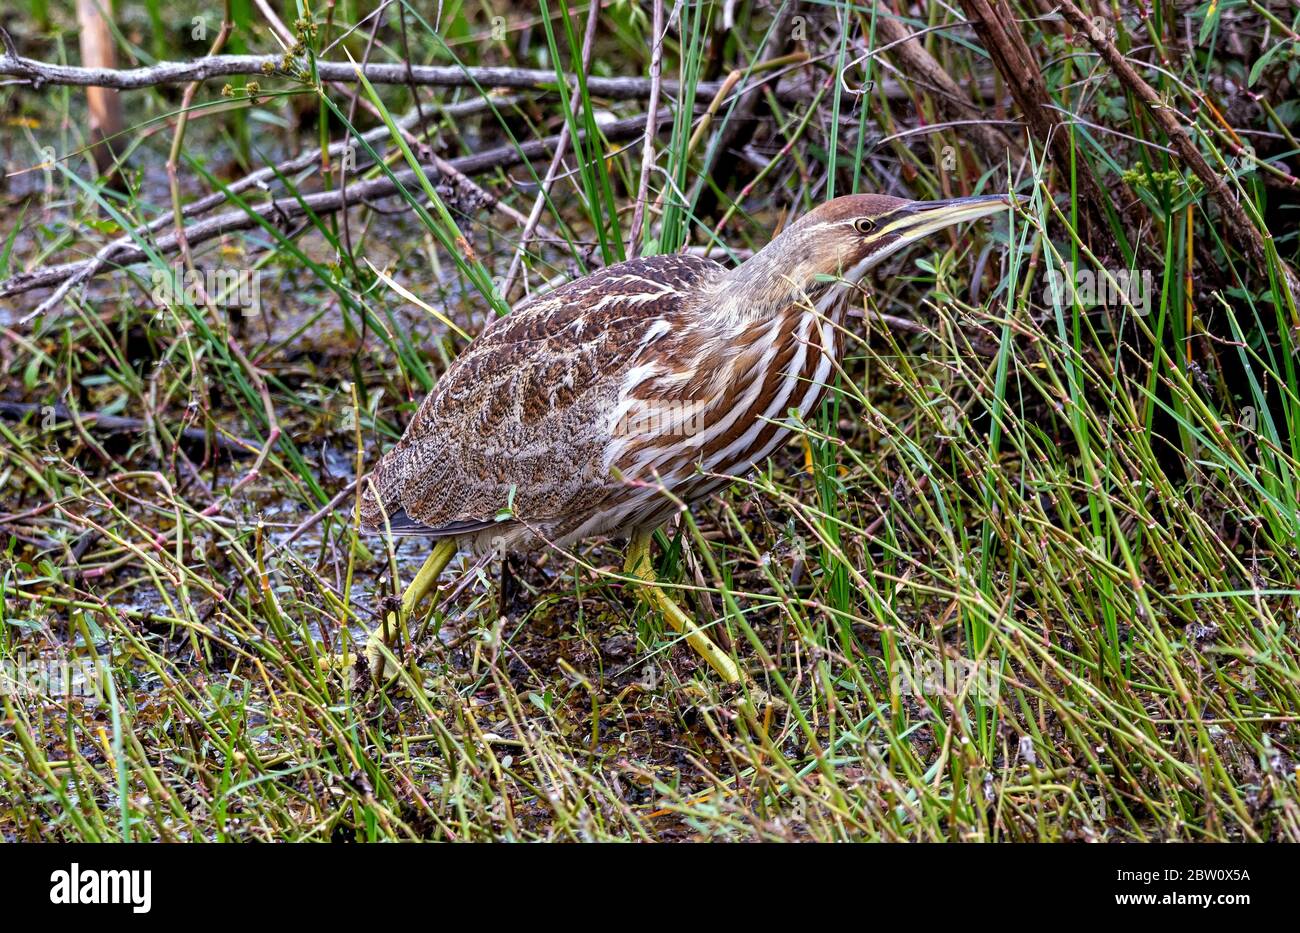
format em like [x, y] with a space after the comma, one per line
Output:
[576, 413]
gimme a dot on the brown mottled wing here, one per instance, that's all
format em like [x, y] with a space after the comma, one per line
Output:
[526, 406]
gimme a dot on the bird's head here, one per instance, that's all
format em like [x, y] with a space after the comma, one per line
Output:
[835, 244]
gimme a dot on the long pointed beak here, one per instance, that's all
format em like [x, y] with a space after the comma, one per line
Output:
[921, 218]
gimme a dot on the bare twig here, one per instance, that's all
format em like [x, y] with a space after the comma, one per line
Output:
[313, 519]
[282, 32]
[648, 150]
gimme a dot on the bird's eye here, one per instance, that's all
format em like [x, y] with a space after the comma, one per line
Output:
[864, 225]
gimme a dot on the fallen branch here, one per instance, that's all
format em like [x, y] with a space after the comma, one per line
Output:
[38, 74]
[90, 268]
[124, 251]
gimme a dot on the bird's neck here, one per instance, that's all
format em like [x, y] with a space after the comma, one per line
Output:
[769, 285]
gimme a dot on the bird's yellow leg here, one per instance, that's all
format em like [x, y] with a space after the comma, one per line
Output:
[808, 461]
[640, 566]
[424, 583]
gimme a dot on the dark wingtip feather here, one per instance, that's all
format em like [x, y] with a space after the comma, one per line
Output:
[403, 525]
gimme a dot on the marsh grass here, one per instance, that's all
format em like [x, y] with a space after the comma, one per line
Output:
[1030, 575]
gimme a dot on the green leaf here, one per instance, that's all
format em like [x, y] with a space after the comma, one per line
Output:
[1258, 68]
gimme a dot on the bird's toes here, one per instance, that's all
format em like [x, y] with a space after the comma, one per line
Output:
[380, 667]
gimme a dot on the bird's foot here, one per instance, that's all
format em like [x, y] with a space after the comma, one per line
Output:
[378, 653]
[374, 665]
[344, 662]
